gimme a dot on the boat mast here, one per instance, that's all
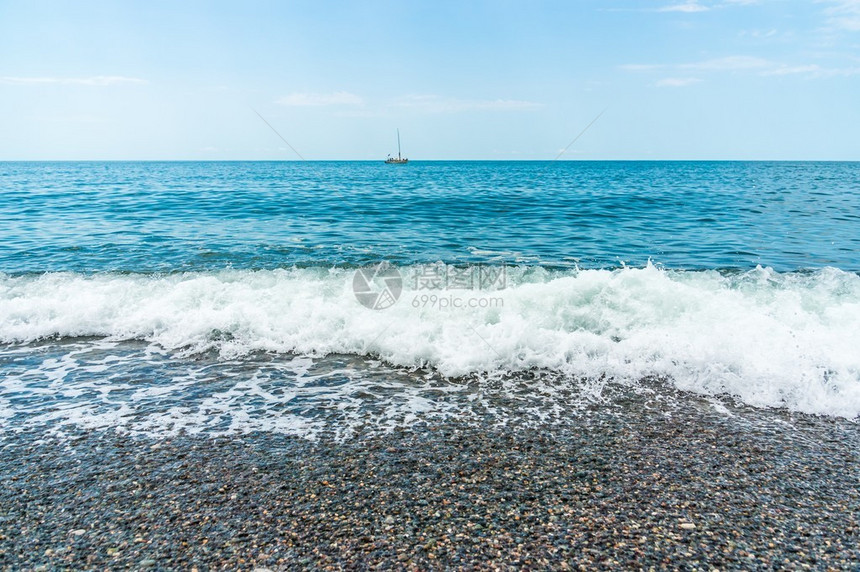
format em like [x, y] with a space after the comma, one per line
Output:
[398, 143]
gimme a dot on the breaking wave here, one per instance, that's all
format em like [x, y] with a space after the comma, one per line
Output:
[769, 339]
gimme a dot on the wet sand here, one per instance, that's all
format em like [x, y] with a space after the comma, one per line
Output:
[634, 486]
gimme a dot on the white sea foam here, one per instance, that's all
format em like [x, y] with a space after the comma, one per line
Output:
[770, 339]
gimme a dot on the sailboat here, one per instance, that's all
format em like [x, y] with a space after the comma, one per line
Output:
[397, 160]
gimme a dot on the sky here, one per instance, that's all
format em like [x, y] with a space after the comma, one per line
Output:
[498, 80]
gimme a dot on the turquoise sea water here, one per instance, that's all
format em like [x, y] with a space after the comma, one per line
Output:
[158, 298]
[146, 217]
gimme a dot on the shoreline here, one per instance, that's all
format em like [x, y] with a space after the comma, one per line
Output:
[638, 487]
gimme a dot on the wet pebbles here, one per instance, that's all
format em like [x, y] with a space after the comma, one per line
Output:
[692, 489]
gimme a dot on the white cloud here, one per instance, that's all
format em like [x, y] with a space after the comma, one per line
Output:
[350, 105]
[70, 119]
[814, 71]
[98, 80]
[438, 104]
[749, 64]
[843, 14]
[759, 34]
[729, 63]
[320, 99]
[790, 70]
[677, 81]
[642, 67]
[689, 7]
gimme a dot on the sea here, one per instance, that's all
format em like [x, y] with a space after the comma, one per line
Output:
[341, 299]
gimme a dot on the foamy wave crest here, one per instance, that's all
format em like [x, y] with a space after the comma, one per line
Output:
[770, 339]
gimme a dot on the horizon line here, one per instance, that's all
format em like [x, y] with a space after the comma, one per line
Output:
[382, 161]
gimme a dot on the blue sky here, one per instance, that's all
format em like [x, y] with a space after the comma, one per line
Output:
[688, 79]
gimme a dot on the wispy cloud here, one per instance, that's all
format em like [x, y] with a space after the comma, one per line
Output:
[350, 105]
[677, 81]
[759, 34]
[689, 7]
[729, 63]
[320, 99]
[98, 80]
[843, 14]
[739, 64]
[69, 119]
[813, 69]
[439, 104]
[642, 67]
[693, 6]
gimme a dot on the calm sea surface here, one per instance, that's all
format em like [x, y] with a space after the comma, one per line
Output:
[146, 217]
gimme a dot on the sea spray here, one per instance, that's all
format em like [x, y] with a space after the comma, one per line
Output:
[766, 338]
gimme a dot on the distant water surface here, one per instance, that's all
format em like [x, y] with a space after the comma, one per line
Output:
[144, 217]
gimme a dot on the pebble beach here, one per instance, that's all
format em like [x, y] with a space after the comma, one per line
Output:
[598, 309]
[703, 485]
